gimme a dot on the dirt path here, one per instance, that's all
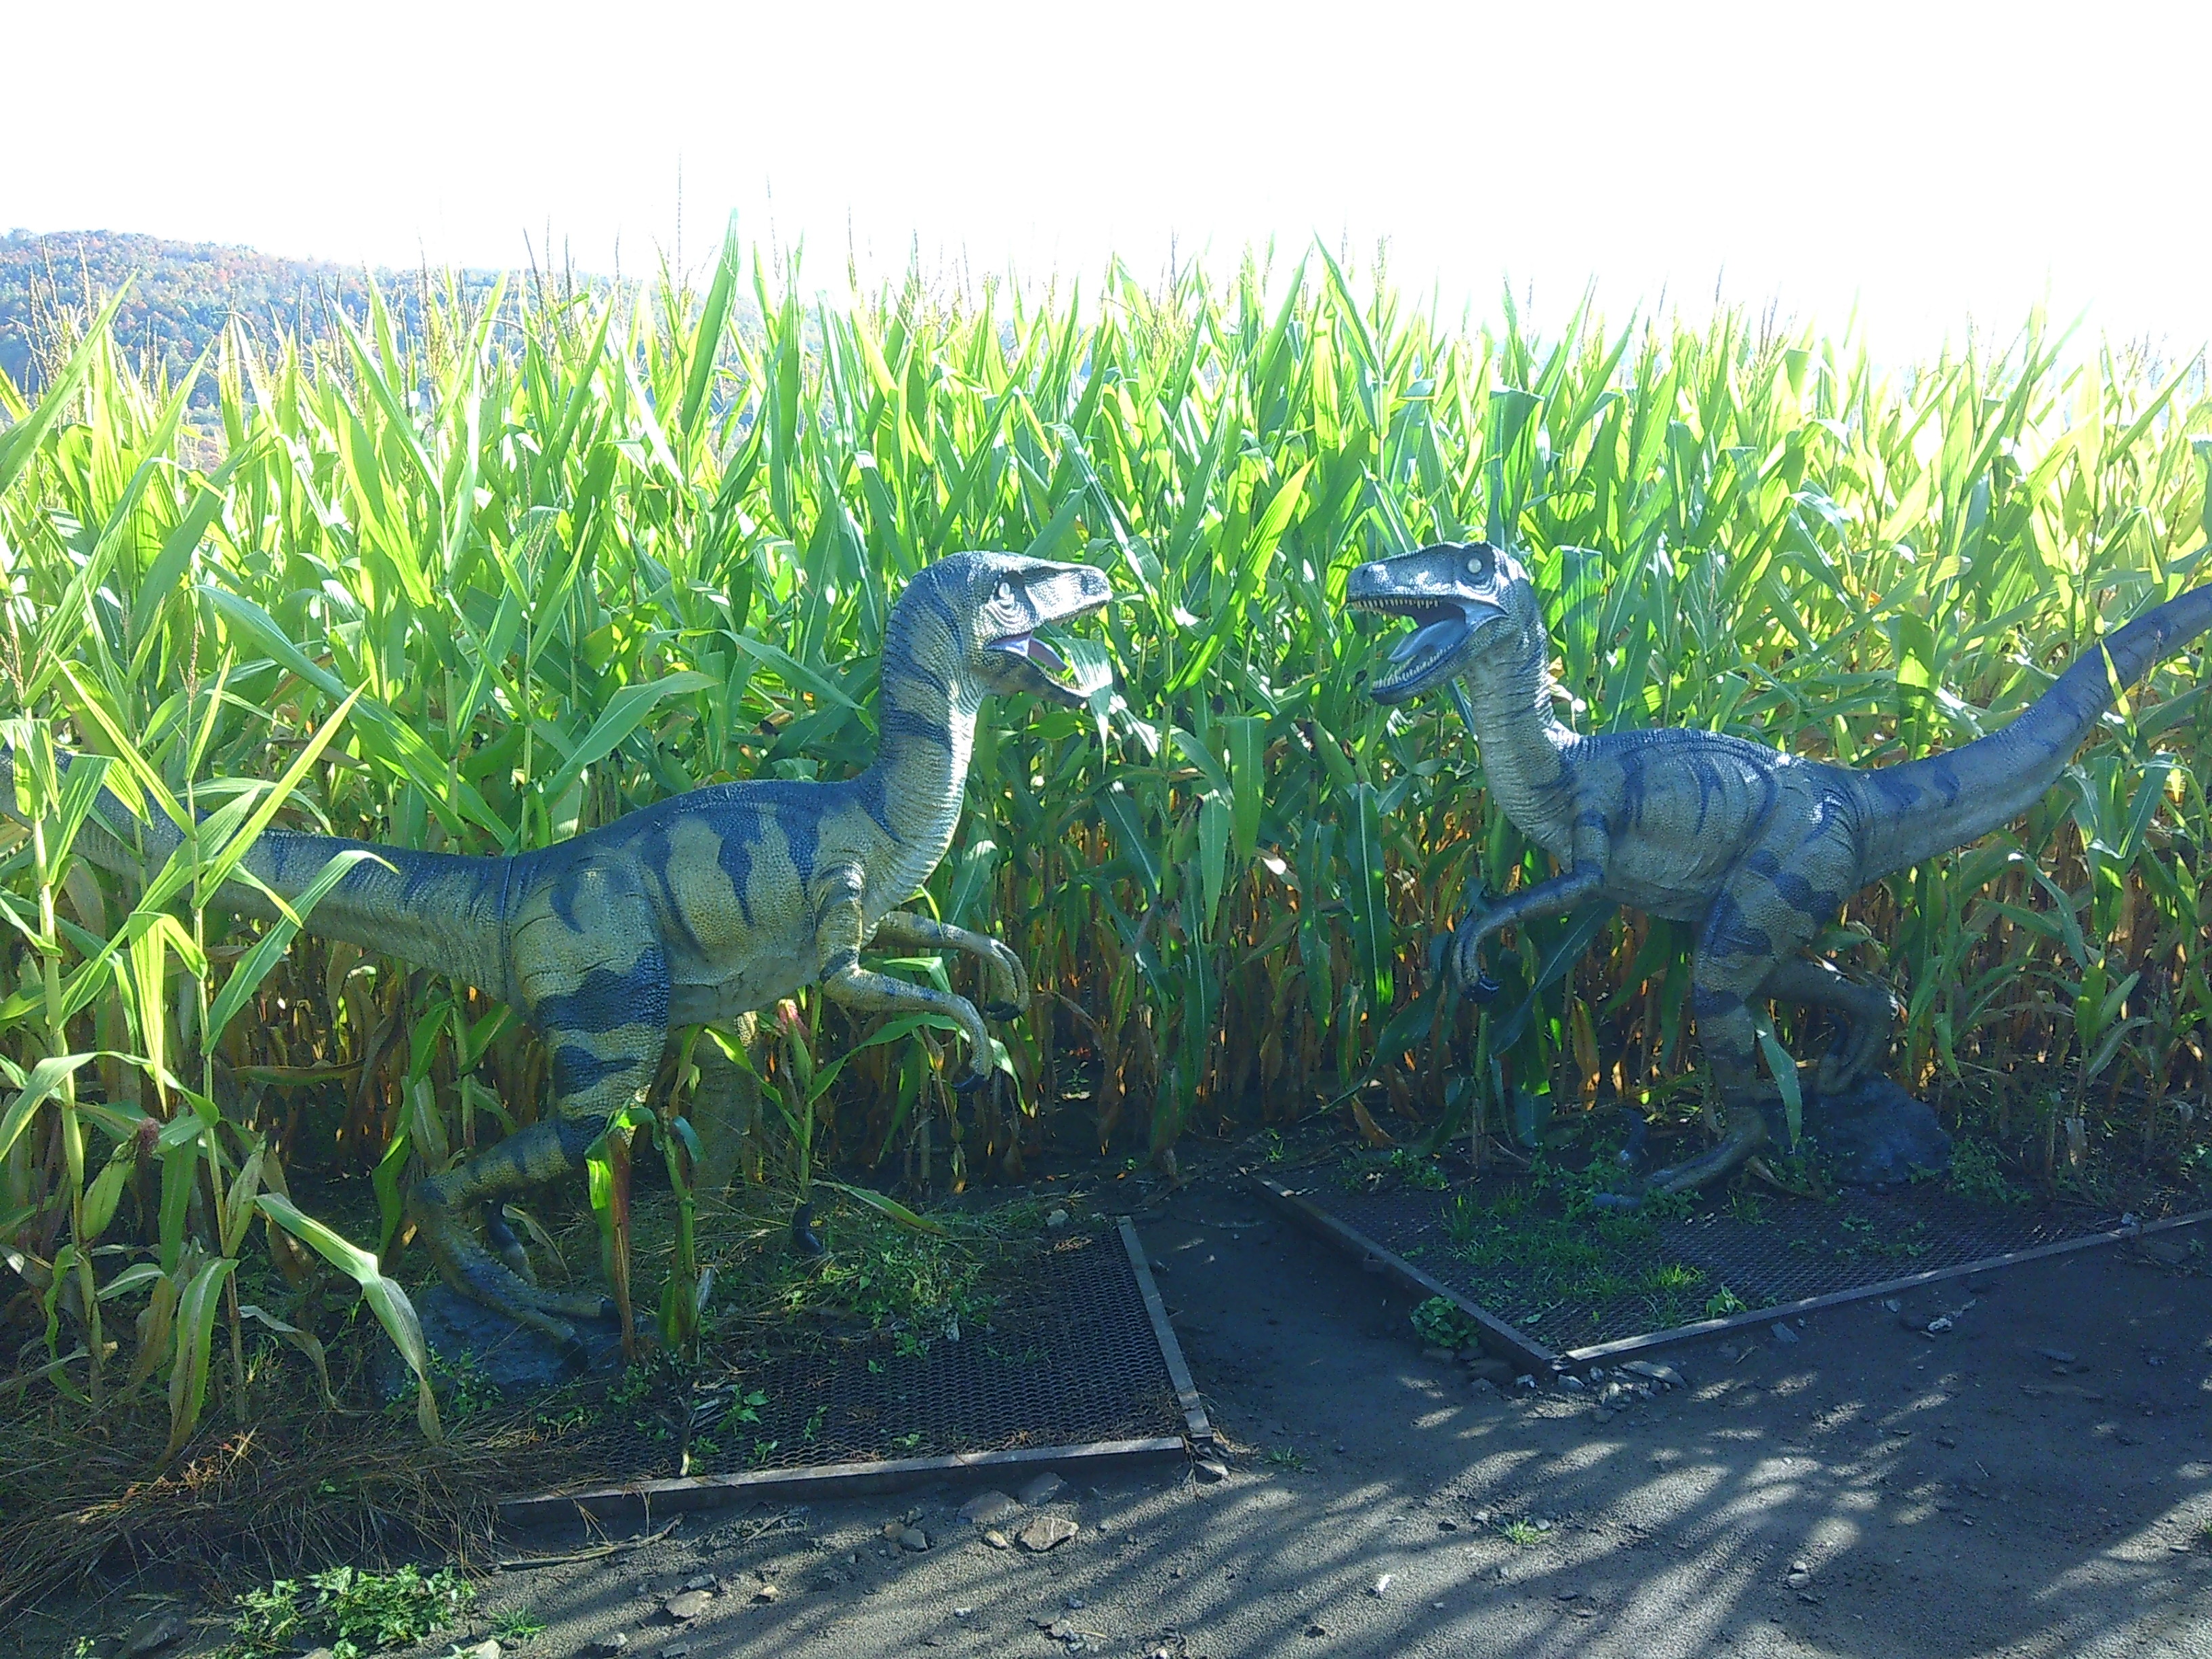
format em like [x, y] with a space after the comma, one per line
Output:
[1863, 1490]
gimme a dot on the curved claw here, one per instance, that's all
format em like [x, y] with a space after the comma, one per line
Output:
[1002, 1011]
[804, 1238]
[973, 1081]
[1475, 984]
[1745, 1135]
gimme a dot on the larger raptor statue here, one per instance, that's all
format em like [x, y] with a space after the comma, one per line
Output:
[1755, 847]
[693, 911]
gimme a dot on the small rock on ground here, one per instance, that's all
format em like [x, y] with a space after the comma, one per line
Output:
[688, 1605]
[915, 1539]
[987, 1508]
[614, 1644]
[1042, 1489]
[1048, 1532]
[156, 1630]
[997, 1540]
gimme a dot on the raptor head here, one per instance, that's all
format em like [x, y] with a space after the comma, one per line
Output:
[990, 606]
[1464, 600]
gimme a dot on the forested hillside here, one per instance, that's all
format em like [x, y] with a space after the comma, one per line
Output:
[181, 294]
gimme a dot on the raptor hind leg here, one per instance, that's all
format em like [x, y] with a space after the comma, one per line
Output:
[595, 984]
[1730, 1040]
[440, 1204]
[1864, 1012]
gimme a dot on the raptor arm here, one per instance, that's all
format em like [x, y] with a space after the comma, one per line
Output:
[1583, 880]
[838, 934]
[901, 930]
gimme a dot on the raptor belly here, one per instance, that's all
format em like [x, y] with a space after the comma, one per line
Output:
[713, 993]
[1662, 881]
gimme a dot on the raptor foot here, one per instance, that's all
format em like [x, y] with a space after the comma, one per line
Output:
[1480, 988]
[1745, 1133]
[973, 1081]
[1002, 1011]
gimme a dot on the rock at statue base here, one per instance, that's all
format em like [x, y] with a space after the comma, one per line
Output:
[1875, 1135]
[474, 1347]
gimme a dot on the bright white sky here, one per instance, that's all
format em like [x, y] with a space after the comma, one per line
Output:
[1931, 163]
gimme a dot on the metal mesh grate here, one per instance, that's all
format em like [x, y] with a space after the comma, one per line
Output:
[1071, 1360]
[1659, 1275]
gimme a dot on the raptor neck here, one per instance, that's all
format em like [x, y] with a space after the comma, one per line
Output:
[926, 736]
[1527, 749]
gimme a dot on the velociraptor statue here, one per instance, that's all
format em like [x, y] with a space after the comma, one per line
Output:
[1755, 847]
[693, 911]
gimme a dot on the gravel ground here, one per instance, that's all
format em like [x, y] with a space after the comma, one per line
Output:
[2036, 1479]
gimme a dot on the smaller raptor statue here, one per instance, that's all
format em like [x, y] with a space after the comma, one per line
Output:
[1755, 849]
[691, 912]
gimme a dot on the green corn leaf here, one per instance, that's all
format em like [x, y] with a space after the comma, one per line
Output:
[890, 1208]
[44, 1082]
[268, 951]
[386, 1299]
[626, 710]
[706, 343]
[1784, 1069]
[1364, 895]
[188, 1372]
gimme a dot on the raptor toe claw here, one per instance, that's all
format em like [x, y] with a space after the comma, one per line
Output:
[1002, 1011]
[973, 1081]
[1480, 988]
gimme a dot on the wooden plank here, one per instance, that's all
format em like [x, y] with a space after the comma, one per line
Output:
[1194, 1408]
[1600, 1350]
[1497, 1336]
[645, 1499]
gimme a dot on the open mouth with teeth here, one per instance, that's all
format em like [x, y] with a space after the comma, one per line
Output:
[1050, 673]
[1441, 630]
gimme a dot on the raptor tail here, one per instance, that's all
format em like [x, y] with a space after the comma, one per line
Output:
[434, 910]
[1922, 808]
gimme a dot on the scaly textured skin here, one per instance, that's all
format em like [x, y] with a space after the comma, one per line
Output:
[694, 911]
[1756, 847]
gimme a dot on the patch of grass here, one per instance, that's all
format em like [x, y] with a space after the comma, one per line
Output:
[350, 1612]
[1977, 1172]
[1525, 1534]
[519, 1625]
[1284, 1458]
[1722, 1303]
[1672, 1277]
[1747, 1207]
[1442, 1323]
[1415, 1170]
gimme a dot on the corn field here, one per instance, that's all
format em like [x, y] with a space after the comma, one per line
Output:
[551, 557]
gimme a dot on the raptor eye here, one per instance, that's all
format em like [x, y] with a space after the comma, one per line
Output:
[1005, 590]
[1474, 568]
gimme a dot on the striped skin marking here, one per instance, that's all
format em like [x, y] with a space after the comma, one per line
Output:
[919, 728]
[577, 1069]
[576, 1135]
[736, 858]
[1729, 933]
[607, 998]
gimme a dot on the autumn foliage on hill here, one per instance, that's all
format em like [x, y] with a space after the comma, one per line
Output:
[181, 294]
